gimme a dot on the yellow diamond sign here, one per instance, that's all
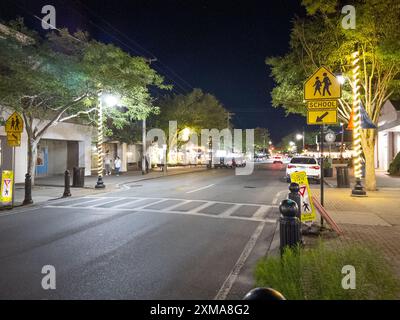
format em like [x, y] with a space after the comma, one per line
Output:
[322, 85]
[14, 123]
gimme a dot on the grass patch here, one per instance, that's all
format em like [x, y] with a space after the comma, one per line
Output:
[316, 274]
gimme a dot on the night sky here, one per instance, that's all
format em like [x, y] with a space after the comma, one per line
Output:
[218, 46]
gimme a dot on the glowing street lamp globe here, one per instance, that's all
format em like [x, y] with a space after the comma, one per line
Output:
[110, 100]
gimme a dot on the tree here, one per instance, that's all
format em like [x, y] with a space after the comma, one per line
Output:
[60, 78]
[261, 138]
[320, 39]
[196, 110]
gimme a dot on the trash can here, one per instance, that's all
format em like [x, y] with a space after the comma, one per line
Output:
[78, 177]
[342, 175]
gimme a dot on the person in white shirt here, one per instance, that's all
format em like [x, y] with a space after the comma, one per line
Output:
[107, 164]
[117, 165]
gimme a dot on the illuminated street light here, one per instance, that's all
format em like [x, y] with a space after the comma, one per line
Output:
[110, 101]
[291, 143]
[341, 79]
[185, 135]
[299, 136]
[358, 188]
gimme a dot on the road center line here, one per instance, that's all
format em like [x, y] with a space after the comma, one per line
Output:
[202, 188]
[230, 280]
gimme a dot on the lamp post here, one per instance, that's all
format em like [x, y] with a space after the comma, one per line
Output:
[358, 188]
[109, 100]
[300, 137]
[342, 140]
[144, 167]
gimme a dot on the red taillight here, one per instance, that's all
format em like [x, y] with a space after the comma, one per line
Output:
[315, 167]
[290, 166]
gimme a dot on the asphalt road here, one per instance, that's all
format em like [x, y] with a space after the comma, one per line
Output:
[191, 236]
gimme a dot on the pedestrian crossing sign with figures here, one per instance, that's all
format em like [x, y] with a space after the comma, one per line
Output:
[14, 123]
[14, 128]
[7, 177]
[322, 85]
[307, 209]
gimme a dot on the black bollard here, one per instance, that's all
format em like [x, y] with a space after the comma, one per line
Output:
[289, 224]
[67, 186]
[295, 196]
[28, 190]
[264, 294]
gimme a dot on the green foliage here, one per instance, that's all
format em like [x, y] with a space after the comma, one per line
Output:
[64, 74]
[394, 168]
[315, 274]
[261, 138]
[319, 39]
[196, 110]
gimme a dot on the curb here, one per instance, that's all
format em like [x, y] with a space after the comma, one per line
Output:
[273, 249]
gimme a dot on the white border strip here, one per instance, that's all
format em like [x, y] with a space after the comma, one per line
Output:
[202, 188]
[230, 280]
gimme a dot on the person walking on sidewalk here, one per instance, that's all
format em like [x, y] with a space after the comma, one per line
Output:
[107, 164]
[117, 165]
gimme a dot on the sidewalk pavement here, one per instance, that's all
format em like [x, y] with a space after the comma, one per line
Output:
[48, 188]
[372, 221]
[383, 179]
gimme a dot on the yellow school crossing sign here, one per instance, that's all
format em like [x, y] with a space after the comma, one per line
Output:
[321, 91]
[321, 117]
[14, 128]
[322, 85]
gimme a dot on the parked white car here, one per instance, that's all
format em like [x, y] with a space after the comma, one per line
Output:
[308, 164]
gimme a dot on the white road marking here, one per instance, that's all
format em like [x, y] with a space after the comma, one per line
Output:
[204, 205]
[261, 212]
[230, 280]
[181, 199]
[277, 196]
[103, 203]
[190, 213]
[149, 204]
[230, 210]
[257, 216]
[202, 188]
[132, 201]
[175, 205]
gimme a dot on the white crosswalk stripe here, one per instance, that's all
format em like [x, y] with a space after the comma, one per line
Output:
[216, 209]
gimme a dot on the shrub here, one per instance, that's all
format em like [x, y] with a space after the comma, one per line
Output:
[316, 274]
[394, 168]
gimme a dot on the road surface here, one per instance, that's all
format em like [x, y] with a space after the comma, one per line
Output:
[191, 236]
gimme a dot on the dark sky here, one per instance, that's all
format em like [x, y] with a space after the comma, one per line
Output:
[218, 46]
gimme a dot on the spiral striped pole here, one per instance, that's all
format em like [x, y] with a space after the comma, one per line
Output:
[358, 188]
[100, 183]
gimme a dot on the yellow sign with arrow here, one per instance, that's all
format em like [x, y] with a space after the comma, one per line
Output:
[320, 117]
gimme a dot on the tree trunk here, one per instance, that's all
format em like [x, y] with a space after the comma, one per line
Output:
[368, 145]
[32, 153]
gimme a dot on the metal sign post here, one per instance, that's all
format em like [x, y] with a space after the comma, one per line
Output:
[321, 91]
[13, 182]
[14, 128]
[322, 172]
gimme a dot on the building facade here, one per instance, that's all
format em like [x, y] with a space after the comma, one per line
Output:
[63, 146]
[388, 135]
